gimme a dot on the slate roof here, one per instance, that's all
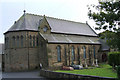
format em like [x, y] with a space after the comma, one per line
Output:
[62, 38]
[31, 22]
[104, 46]
[1, 48]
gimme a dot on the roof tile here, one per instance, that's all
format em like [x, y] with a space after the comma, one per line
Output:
[32, 22]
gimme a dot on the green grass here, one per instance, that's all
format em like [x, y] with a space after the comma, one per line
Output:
[104, 71]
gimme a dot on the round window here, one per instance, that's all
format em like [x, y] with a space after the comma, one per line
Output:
[45, 28]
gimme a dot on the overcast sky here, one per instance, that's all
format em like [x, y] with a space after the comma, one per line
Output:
[12, 10]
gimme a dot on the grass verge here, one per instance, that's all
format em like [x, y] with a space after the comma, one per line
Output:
[104, 71]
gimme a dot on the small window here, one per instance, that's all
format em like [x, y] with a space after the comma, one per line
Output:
[58, 53]
[45, 29]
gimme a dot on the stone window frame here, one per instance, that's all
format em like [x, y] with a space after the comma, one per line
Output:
[59, 53]
[73, 53]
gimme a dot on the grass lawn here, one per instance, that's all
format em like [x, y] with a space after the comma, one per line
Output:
[104, 71]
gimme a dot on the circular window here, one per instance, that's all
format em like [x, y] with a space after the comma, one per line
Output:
[45, 28]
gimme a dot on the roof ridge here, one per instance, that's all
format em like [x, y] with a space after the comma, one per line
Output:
[34, 14]
[57, 18]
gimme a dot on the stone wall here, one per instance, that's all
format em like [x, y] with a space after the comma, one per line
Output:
[43, 56]
[79, 58]
[23, 55]
[29, 53]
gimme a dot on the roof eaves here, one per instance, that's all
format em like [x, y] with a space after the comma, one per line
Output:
[74, 34]
[72, 43]
[19, 31]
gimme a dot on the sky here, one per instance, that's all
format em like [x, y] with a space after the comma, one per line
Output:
[73, 10]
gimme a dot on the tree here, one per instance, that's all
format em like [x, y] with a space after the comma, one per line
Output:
[110, 38]
[107, 16]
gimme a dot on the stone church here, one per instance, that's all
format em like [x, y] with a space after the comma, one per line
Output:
[53, 42]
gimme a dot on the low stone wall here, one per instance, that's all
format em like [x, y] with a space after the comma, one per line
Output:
[69, 76]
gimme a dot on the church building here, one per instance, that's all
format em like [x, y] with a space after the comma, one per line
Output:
[53, 42]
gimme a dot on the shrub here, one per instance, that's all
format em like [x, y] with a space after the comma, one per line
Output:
[114, 58]
[118, 72]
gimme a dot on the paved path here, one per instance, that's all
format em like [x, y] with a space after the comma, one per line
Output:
[22, 75]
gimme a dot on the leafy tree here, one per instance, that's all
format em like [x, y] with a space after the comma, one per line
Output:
[107, 15]
[111, 38]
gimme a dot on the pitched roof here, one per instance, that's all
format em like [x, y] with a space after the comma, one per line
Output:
[58, 38]
[31, 22]
[104, 46]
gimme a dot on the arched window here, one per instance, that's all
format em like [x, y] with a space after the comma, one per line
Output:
[33, 41]
[58, 53]
[17, 41]
[30, 41]
[73, 53]
[94, 52]
[37, 40]
[21, 41]
[13, 41]
[84, 52]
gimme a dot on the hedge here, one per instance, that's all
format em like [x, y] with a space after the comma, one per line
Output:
[114, 58]
[118, 72]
